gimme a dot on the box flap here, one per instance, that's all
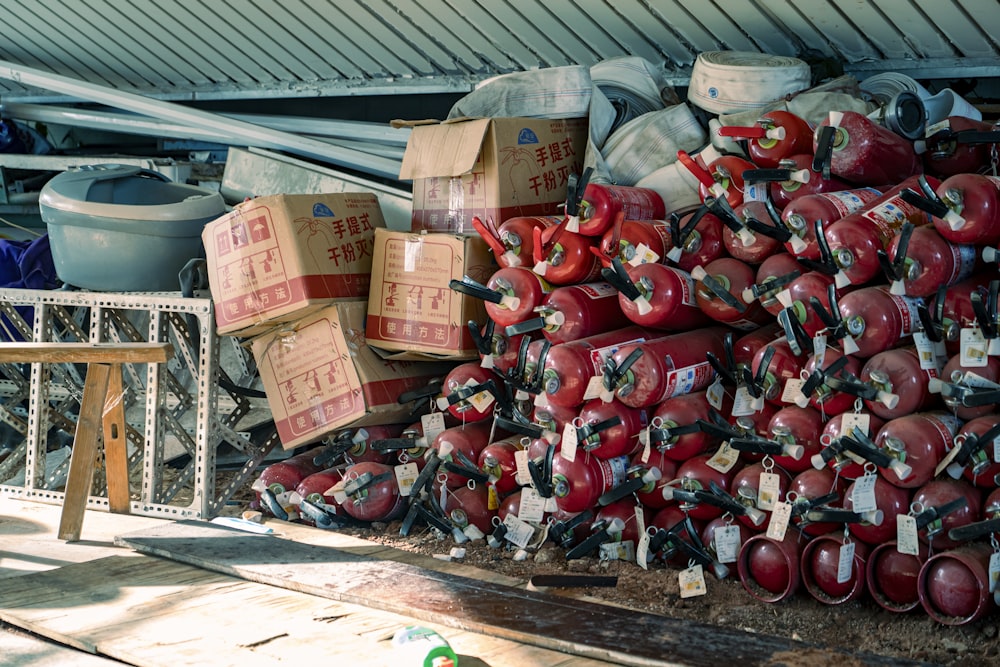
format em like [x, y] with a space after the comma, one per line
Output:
[413, 355]
[449, 149]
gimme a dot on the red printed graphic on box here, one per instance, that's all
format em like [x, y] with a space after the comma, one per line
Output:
[317, 387]
[251, 271]
[416, 305]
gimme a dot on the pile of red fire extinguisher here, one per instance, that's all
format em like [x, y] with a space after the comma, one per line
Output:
[801, 377]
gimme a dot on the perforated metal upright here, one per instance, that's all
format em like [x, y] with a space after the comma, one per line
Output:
[173, 407]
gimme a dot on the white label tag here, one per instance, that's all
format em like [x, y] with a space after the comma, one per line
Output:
[946, 461]
[793, 390]
[907, 541]
[569, 443]
[779, 520]
[863, 496]
[433, 424]
[819, 349]
[482, 401]
[996, 451]
[618, 551]
[715, 394]
[768, 491]
[974, 348]
[523, 475]
[406, 475]
[644, 255]
[532, 507]
[925, 351]
[692, 582]
[595, 387]
[744, 403]
[642, 551]
[845, 563]
[518, 532]
[994, 571]
[724, 459]
[849, 420]
[727, 543]
[647, 446]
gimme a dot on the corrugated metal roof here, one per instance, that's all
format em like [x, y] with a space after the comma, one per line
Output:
[217, 49]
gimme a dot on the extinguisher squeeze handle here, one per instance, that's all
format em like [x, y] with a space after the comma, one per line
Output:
[832, 515]
[777, 232]
[432, 389]
[767, 175]
[932, 205]
[678, 234]
[575, 188]
[976, 137]
[541, 474]
[824, 150]
[619, 279]
[872, 454]
[719, 206]
[798, 339]
[332, 452]
[562, 531]
[364, 481]
[470, 287]
[972, 531]
[623, 490]
[467, 472]
[986, 316]
[924, 518]
[599, 537]
[757, 445]
[588, 430]
[271, 504]
[973, 443]
[825, 265]
[613, 374]
[722, 371]
[718, 290]
[393, 444]
[803, 505]
[481, 340]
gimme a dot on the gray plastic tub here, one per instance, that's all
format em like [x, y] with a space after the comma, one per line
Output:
[119, 228]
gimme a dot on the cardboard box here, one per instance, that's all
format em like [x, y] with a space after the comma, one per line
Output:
[410, 306]
[276, 259]
[320, 375]
[495, 168]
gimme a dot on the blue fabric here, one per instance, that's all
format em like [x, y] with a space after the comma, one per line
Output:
[26, 265]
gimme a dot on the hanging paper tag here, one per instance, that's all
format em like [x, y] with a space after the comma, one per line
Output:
[925, 351]
[518, 532]
[433, 424]
[779, 520]
[551, 505]
[727, 543]
[644, 255]
[849, 420]
[907, 541]
[768, 491]
[483, 400]
[406, 475]
[646, 445]
[724, 459]
[569, 442]
[595, 387]
[863, 496]
[715, 394]
[845, 563]
[819, 349]
[793, 390]
[522, 475]
[946, 461]
[994, 570]
[532, 507]
[996, 450]
[692, 582]
[744, 403]
[973, 348]
[642, 551]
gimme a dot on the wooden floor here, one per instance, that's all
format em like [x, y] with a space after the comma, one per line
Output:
[92, 598]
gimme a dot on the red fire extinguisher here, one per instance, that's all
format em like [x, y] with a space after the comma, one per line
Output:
[850, 145]
[656, 296]
[283, 476]
[751, 244]
[768, 568]
[512, 243]
[821, 569]
[812, 488]
[696, 475]
[954, 585]
[722, 286]
[958, 145]
[370, 492]
[874, 320]
[777, 135]
[462, 445]
[856, 239]
[636, 241]
[579, 483]
[591, 208]
[832, 397]
[576, 311]
[976, 458]
[771, 368]
[892, 576]
[609, 429]
[498, 460]
[570, 367]
[799, 427]
[774, 275]
[945, 504]
[313, 489]
[511, 295]
[563, 257]
[890, 501]
[966, 207]
[696, 238]
[644, 374]
[746, 489]
[801, 216]
[722, 178]
[674, 430]
[921, 441]
[899, 372]
[920, 260]
[468, 392]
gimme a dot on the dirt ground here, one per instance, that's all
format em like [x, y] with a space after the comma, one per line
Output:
[861, 625]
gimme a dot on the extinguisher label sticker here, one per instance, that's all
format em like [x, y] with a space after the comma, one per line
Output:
[779, 521]
[849, 201]
[908, 312]
[845, 563]
[598, 290]
[613, 471]
[863, 496]
[964, 262]
[406, 475]
[727, 543]
[996, 450]
[692, 582]
[907, 541]
[685, 380]
[724, 459]
[599, 355]
[518, 532]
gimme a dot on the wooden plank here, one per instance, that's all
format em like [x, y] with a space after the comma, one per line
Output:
[152, 612]
[29, 651]
[84, 456]
[83, 353]
[571, 626]
[116, 444]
